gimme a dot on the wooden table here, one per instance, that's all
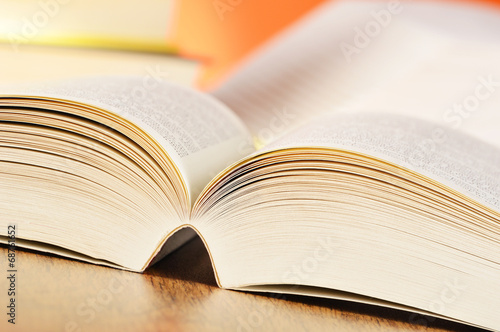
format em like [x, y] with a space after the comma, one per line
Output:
[178, 294]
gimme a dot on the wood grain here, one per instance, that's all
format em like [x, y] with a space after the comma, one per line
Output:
[178, 294]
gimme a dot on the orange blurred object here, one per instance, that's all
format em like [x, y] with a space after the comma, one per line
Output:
[224, 31]
[221, 33]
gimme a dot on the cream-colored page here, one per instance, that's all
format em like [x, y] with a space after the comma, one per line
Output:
[416, 59]
[200, 135]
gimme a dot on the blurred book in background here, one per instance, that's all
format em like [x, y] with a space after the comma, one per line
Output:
[42, 63]
[221, 35]
[58, 39]
[141, 25]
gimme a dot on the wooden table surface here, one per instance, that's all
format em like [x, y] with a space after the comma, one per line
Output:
[177, 294]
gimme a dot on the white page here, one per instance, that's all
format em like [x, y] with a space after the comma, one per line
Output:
[416, 65]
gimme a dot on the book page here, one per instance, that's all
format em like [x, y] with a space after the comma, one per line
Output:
[200, 135]
[366, 56]
[454, 159]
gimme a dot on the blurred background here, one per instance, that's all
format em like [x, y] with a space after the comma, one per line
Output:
[195, 42]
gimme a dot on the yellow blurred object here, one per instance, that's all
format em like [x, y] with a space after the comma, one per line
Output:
[141, 25]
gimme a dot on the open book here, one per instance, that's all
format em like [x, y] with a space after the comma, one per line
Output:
[348, 198]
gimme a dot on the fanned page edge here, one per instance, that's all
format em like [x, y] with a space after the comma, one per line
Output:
[123, 98]
[113, 113]
[309, 290]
